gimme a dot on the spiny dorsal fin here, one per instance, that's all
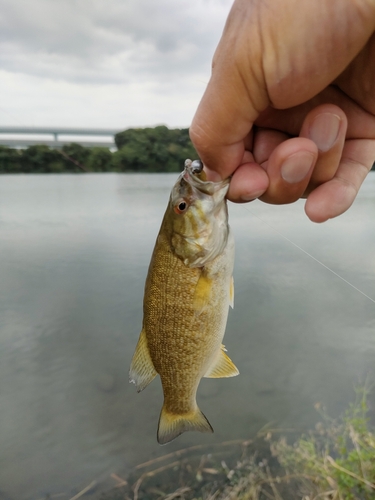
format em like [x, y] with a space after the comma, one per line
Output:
[142, 371]
[222, 367]
[171, 425]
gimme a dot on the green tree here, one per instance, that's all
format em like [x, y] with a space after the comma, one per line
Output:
[157, 149]
[129, 158]
[10, 160]
[99, 160]
[41, 159]
[76, 155]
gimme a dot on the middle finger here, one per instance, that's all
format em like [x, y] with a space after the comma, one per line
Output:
[326, 126]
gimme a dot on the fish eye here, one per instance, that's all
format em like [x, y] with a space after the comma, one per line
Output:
[180, 207]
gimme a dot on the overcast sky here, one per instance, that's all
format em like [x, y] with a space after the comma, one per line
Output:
[106, 63]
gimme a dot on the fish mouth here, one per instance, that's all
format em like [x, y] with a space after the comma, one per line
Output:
[196, 176]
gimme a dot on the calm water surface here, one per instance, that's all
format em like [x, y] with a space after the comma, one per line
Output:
[74, 256]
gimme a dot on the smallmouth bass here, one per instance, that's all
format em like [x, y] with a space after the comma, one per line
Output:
[188, 290]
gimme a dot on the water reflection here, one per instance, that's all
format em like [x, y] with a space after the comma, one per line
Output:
[75, 252]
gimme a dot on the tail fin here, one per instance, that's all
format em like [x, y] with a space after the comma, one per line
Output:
[171, 425]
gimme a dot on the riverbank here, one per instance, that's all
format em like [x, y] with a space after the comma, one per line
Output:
[333, 461]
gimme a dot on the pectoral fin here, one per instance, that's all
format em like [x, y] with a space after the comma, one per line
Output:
[202, 293]
[231, 293]
[142, 370]
[222, 367]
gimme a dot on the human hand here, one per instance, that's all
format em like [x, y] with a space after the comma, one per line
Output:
[289, 110]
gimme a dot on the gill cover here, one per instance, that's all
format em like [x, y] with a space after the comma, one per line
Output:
[199, 216]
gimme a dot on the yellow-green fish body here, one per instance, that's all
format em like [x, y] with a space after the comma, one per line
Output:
[188, 291]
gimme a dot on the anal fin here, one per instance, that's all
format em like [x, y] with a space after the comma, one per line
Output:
[142, 370]
[222, 367]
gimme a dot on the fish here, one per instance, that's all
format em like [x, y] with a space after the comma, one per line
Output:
[188, 291]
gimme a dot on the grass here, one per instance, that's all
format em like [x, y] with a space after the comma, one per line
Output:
[339, 455]
[335, 461]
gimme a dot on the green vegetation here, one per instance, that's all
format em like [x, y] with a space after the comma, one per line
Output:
[157, 149]
[336, 461]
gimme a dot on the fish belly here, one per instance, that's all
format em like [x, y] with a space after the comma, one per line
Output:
[186, 311]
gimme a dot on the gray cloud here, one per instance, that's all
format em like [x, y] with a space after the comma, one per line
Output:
[110, 41]
[106, 63]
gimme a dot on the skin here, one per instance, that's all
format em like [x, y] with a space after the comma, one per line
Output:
[289, 110]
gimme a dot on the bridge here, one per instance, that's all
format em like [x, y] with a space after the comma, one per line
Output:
[56, 137]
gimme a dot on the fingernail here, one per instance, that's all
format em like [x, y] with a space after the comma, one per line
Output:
[297, 166]
[324, 130]
[246, 197]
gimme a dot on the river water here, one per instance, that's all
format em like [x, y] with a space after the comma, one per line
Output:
[74, 256]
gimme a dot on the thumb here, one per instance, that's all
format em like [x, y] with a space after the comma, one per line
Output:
[222, 124]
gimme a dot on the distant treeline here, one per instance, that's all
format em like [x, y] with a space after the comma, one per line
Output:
[157, 149]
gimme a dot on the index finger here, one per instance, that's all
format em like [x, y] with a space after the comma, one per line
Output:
[229, 106]
[219, 129]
